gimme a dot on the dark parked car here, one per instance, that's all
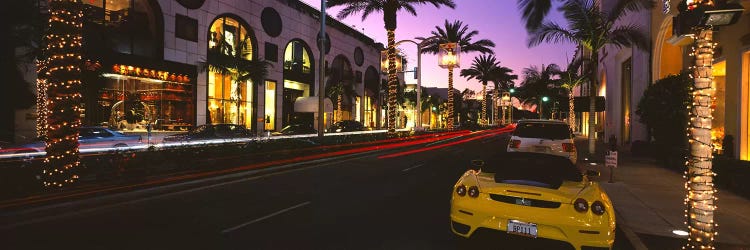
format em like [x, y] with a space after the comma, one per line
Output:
[346, 126]
[297, 129]
[88, 137]
[211, 131]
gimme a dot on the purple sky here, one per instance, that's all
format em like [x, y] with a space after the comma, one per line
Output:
[497, 20]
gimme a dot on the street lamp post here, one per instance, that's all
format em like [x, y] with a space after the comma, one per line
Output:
[418, 72]
[449, 58]
[322, 69]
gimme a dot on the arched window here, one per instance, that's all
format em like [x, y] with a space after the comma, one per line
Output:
[229, 100]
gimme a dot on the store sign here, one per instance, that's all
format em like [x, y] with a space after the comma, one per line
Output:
[666, 6]
[149, 73]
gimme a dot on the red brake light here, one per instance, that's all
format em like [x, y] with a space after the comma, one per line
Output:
[569, 147]
[581, 205]
[515, 143]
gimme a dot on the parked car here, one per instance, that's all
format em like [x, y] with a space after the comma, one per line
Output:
[297, 129]
[544, 136]
[536, 198]
[88, 137]
[346, 126]
[211, 131]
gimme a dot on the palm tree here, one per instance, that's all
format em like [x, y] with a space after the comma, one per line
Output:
[225, 60]
[538, 83]
[338, 86]
[483, 69]
[570, 79]
[454, 32]
[390, 8]
[592, 28]
[62, 72]
[502, 79]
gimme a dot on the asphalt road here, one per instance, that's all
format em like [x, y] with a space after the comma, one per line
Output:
[359, 203]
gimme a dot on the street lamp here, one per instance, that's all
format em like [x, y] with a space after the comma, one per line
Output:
[449, 58]
[541, 106]
[417, 72]
[505, 103]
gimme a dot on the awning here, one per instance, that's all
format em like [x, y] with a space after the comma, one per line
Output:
[310, 104]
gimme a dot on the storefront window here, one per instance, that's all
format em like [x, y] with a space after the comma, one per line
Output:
[230, 101]
[296, 58]
[718, 105]
[270, 105]
[131, 103]
[129, 26]
[232, 37]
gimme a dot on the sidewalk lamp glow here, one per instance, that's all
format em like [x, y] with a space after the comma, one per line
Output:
[545, 99]
[449, 58]
[512, 90]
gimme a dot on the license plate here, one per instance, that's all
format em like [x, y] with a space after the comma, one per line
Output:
[522, 228]
[540, 149]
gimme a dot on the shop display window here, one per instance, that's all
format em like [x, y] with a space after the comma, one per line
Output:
[130, 103]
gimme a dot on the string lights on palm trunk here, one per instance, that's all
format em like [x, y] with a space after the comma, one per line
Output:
[61, 82]
[701, 199]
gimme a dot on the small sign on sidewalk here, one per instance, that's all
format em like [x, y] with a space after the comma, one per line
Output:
[611, 159]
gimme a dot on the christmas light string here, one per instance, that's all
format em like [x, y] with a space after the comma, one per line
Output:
[60, 83]
[700, 199]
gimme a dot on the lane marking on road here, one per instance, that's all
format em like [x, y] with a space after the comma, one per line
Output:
[280, 170]
[415, 166]
[229, 230]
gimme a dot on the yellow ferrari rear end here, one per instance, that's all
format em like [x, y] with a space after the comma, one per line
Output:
[561, 214]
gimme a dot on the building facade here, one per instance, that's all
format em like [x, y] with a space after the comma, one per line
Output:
[149, 62]
[625, 73]
[731, 70]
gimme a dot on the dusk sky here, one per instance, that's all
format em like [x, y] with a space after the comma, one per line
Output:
[497, 20]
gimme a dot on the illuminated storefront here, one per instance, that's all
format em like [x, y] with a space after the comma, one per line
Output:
[132, 97]
[230, 100]
[298, 79]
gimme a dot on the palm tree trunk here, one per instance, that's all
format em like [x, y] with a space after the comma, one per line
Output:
[450, 99]
[592, 102]
[484, 104]
[571, 110]
[392, 80]
[340, 107]
[494, 106]
[700, 196]
[64, 105]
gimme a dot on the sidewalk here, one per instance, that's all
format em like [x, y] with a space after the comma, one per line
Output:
[648, 200]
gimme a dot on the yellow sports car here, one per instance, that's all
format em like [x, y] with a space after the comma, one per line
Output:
[532, 200]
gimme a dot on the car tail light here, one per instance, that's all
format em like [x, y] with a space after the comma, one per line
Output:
[461, 190]
[597, 208]
[569, 147]
[473, 192]
[581, 205]
[515, 143]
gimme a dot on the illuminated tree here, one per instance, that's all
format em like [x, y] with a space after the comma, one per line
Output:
[455, 32]
[390, 9]
[62, 72]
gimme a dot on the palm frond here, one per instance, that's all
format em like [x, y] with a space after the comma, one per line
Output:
[628, 36]
[533, 12]
[551, 33]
